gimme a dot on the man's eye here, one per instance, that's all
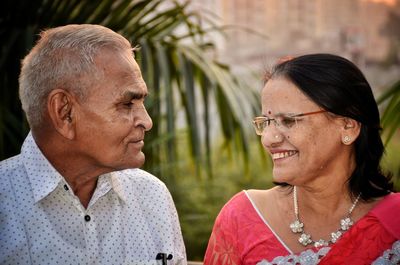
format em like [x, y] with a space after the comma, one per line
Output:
[128, 104]
[288, 122]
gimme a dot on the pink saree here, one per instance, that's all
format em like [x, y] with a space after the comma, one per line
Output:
[241, 236]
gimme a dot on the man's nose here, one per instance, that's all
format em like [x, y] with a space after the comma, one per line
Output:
[144, 119]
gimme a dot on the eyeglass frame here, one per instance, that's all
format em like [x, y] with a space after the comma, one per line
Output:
[268, 120]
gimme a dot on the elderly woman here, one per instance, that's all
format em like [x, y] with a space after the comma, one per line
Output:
[332, 203]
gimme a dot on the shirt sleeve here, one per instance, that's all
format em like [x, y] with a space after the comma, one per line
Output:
[178, 239]
[13, 240]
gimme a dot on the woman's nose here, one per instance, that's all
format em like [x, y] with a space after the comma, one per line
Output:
[271, 136]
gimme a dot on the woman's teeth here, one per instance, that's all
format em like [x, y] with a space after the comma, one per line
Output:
[283, 154]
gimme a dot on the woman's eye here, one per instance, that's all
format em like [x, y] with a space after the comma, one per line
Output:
[263, 124]
[288, 122]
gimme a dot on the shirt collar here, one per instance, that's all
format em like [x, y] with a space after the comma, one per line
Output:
[117, 185]
[43, 177]
[107, 182]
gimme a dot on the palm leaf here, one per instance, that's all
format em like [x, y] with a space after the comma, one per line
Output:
[173, 57]
[391, 115]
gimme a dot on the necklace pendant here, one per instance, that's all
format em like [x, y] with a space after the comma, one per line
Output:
[346, 223]
[321, 243]
[297, 226]
[305, 239]
[335, 236]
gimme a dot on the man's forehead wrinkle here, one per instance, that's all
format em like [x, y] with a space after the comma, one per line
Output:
[133, 76]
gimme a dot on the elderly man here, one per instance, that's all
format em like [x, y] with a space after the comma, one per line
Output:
[75, 194]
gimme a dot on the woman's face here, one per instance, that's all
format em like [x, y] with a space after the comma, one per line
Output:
[303, 148]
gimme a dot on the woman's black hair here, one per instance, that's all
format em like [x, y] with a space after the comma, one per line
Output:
[338, 86]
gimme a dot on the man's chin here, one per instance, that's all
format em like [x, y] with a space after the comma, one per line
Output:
[130, 163]
[137, 161]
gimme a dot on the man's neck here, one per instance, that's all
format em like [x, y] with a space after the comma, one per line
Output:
[79, 173]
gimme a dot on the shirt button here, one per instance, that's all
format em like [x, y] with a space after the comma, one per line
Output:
[87, 218]
[66, 187]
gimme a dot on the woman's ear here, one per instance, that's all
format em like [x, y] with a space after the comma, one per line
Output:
[60, 106]
[350, 130]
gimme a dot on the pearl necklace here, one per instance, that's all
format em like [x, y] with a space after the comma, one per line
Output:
[305, 239]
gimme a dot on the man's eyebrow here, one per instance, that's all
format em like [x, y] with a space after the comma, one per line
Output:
[130, 95]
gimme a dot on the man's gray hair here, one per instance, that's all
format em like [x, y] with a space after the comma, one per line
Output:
[63, 58]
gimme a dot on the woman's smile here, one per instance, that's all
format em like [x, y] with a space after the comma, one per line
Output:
[283, 154]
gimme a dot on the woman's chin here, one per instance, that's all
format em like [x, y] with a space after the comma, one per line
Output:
[282, 177]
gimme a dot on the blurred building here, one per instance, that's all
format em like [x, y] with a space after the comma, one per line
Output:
[268, 29]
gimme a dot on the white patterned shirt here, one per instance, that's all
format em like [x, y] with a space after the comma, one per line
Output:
[129, 220]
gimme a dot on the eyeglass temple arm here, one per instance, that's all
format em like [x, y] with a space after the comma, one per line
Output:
[309, 113]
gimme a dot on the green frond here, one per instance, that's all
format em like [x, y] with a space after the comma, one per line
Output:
[391, 116]
[174, 57]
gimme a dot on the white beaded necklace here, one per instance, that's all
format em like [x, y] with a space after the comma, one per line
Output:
[305, 239]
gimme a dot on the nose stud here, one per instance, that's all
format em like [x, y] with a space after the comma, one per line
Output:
[277, 137]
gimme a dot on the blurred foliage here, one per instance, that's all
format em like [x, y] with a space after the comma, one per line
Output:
[391, 161]
[199, 200]
[390, 119]
[390, 122]
[175, 61]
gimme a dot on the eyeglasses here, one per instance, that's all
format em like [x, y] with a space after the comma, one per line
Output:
[282, 123]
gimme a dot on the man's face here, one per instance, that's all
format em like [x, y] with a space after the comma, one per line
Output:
[112, 120]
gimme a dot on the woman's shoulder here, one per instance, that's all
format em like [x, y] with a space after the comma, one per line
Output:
[387, 213]
[394, 197]
[267, 200]
[261, 195]
[248, 204]
[238, 206]
[246, 198]
[388, 203]
[238, 200]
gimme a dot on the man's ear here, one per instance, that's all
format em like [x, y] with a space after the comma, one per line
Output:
[60, 106]
[350, 130]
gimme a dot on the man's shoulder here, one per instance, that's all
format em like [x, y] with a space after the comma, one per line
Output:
[141, 185]
[10, 165]
[12, 171]
[139, 179]
[137, 175]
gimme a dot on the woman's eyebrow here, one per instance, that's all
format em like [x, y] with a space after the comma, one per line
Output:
[280, 114]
